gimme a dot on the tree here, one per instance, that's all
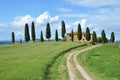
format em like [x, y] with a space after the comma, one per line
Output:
[13, 37]
[87, 34]
[20, 41]
[94, 37]
[103, 35]
[56, 35]
[63, 29]
[48, 32]
[112, 37]
[27, 35]
[33, 31]
[72, 36]
[79, 35]
[41, 37]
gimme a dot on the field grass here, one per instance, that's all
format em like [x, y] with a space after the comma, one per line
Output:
[29, 61]
[102, 63]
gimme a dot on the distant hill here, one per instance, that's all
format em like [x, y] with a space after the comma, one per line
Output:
[5, 42]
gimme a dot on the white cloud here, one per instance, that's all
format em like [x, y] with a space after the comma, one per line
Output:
[20, 21]
[83, 22]
[94, 3]
[64, 10]
[54, 19]
[17, 25]
[42, 19]
[45, 18]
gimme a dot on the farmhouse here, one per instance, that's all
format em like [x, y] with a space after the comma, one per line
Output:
[68, 37]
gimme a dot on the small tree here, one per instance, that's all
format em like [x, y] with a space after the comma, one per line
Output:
[112, 37]
[27, 35]
[20, 41]
[79, 35]
[72, 36]
[56, 35]
[41, 37]
[94, 37]
[87, 34]
[33, 31]
[13, 37]
[103, 35]
[48, 32]
[63, 29]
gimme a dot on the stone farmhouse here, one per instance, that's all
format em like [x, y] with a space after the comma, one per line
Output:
[68, 37]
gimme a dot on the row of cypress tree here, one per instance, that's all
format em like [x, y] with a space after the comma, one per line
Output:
[94, 35]
[63, 32]
[33, 36]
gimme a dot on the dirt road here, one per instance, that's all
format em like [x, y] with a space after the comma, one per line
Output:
[72, 64]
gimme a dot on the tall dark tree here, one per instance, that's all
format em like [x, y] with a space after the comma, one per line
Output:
[41, 37]
[72, 35]
[27, 35]
[79, 35]
[88, 37]
[103, 36]
[56, 35]
[94, 37]
[33, 31]
[48, 32]
[63, 29]
[112, 37]
[13, 37]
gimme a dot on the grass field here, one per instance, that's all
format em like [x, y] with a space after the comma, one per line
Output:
[102, 63]
[29, 61]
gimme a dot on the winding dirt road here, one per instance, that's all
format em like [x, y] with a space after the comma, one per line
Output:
[72, 64]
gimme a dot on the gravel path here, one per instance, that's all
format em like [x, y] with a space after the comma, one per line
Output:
[73, 57]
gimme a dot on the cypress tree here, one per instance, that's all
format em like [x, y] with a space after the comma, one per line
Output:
[41, 37]
[48, 32]
[72, 36]
[33, 31]
[56, 35]
[103, 35]
[112, 37]
[94, 37]
[87, 34]
[13, 37]
[27, 35]
[63, 29]
[79, 35]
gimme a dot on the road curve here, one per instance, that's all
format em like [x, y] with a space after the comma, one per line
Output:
[73, 56]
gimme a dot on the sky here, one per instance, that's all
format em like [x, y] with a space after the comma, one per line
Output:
[95, 14]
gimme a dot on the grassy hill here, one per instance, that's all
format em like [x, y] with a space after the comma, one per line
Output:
[30, 61]
[102, 63]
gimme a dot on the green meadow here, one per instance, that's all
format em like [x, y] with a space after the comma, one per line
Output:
[30, 61]
[102, 63]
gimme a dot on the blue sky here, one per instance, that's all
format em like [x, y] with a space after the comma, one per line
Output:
[95, 14]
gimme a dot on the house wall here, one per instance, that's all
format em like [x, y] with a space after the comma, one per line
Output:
[68, 38]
